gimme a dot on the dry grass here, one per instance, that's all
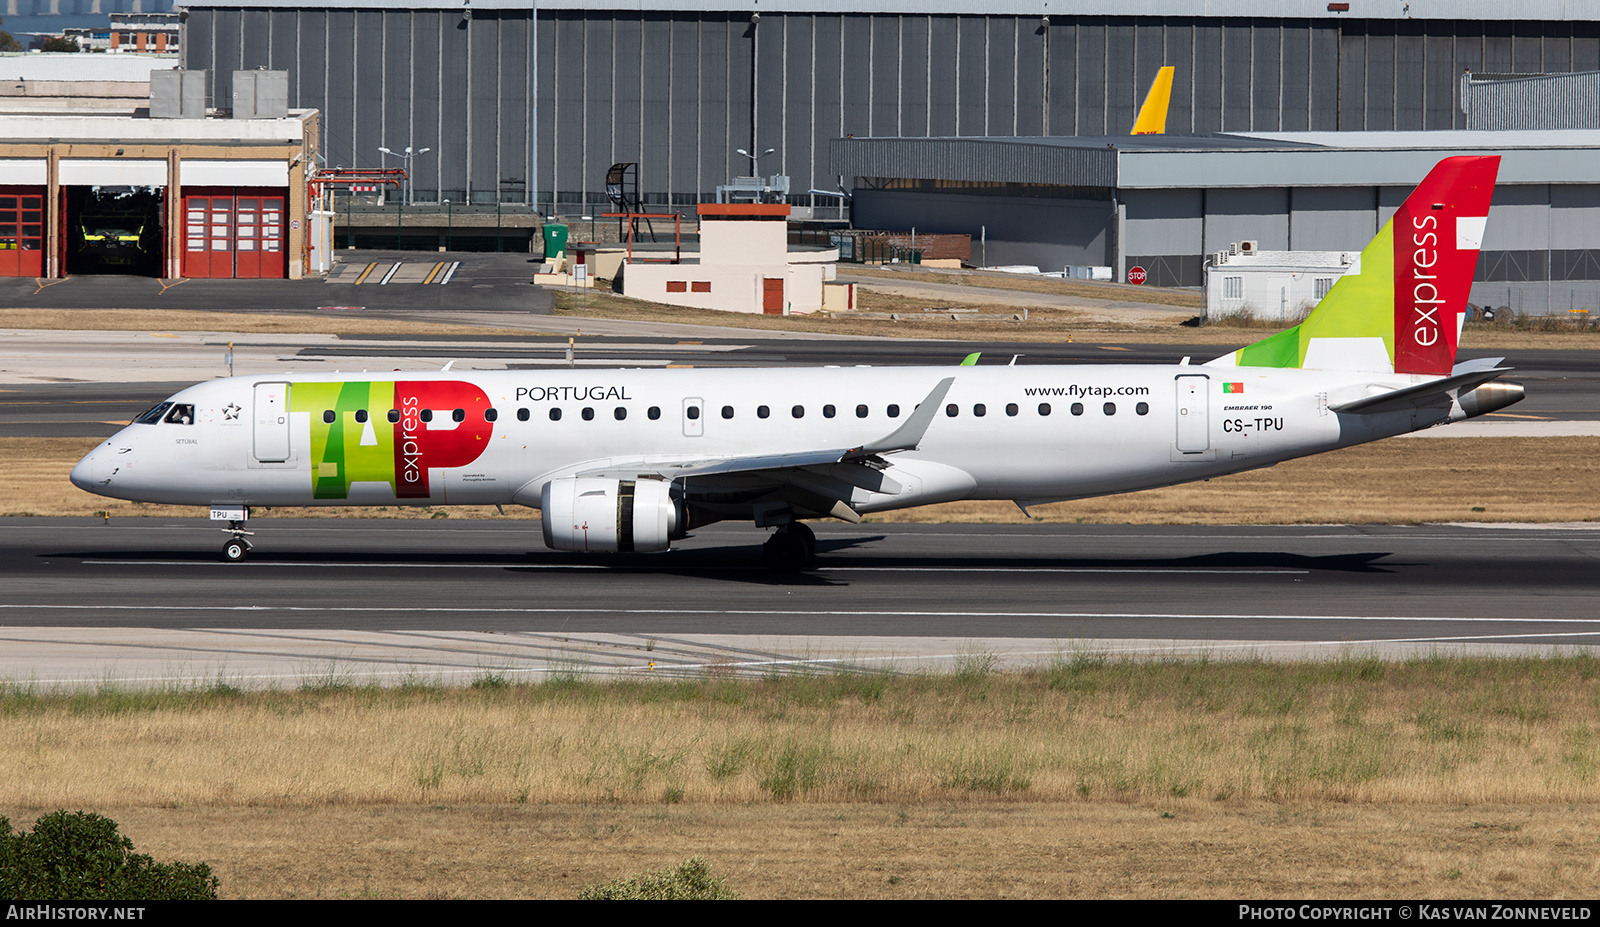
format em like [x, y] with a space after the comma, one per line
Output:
[1391, 482]
[1087, 778]
[1080, 289]
[1049, 325]
[1081, 849]
[1401, 481]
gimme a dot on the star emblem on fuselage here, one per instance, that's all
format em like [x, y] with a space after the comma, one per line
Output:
[231, 411]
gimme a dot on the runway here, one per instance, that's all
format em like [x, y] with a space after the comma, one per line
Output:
[350, 601]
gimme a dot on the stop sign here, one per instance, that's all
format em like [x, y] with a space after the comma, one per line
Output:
[1136, 275]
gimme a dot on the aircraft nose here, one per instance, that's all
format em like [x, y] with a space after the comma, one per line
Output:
[88, 473]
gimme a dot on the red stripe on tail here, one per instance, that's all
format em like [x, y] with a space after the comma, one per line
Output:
[1436, 238]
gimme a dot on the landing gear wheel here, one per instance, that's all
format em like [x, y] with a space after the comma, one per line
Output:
[807, 535]
[786, 551]
[235, 550]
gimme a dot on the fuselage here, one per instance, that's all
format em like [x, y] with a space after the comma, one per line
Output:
[1030, 433]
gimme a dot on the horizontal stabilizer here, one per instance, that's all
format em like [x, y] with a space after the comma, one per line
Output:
[1413, 395]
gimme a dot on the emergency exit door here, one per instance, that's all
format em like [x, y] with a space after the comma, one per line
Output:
[272, 422]
[1194, 414]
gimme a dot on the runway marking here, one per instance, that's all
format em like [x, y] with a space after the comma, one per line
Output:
[450, 273]
[789, 613]
[390, 274]
[601, 566]
[363, 278]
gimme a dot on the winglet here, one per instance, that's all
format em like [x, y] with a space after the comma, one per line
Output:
[1152, 118]
[971, 360]
[908, 435]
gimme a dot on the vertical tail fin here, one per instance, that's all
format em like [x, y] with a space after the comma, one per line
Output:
[1400, 307]
[1152, 118]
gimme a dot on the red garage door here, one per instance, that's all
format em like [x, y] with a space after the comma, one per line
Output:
[233, 233]
[21, 232]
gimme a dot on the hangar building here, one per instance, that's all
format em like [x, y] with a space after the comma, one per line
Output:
[91, 182]
[1165, 203]
[532, 100]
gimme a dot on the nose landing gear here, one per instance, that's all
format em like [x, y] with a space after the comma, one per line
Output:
[238, 546]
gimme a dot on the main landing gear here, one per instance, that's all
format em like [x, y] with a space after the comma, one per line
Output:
[791, 548]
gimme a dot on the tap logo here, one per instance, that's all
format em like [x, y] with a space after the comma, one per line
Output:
[398, 433]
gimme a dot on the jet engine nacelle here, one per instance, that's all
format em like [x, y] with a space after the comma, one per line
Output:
[604, 515]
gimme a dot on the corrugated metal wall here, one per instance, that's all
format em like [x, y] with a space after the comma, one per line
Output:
[1556, 101]
[419, 78]
[678, 92]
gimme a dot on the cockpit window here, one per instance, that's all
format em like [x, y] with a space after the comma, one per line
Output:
[154, 415]
[182, 413]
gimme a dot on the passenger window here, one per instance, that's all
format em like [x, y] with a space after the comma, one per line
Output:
[828, 411]
[980, 410]
[426, 415]
[798, 411]
[361, 416]
[328, 417]
[861, 411]
[588, 414]
[1077, 408]
[727, 411]
[620, 413]
[1011, 408]
[951, 410]
[693, 412]
[394, 416]
[893, 410]
[555, 414]
[458, 415]
[522, 415]
[1044, 408]
[654, 413]
[1142, 408]
[1111, 408]
[762, 411]
[490, 415]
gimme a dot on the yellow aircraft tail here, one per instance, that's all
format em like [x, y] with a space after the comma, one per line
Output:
[1153, 114]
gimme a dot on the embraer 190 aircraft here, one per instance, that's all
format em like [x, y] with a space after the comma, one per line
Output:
[631, 460]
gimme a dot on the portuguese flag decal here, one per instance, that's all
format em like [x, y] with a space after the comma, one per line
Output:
[1233, 387]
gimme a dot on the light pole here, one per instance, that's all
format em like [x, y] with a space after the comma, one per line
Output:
[755, 158]
[407, 155]
[449, 225]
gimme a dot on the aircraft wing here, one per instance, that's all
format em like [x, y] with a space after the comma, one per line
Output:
[821, 478]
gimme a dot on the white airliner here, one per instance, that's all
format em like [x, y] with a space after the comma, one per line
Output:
[631, 460]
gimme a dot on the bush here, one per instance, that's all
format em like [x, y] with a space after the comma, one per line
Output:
[79, 856]
[691, 881]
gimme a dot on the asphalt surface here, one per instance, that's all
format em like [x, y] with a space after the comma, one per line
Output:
[148, 599]
[484, 282]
